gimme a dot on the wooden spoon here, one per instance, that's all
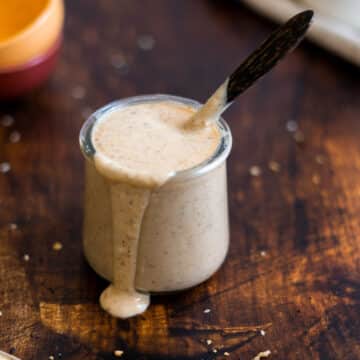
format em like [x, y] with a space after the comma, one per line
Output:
[286, 38]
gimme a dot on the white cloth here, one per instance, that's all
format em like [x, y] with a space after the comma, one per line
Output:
[347, 11]
[328, 30]
[5, 356]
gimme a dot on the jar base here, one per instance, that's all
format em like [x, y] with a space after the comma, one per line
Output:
[155, 292]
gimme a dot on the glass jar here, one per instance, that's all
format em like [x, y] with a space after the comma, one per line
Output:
[185, 229]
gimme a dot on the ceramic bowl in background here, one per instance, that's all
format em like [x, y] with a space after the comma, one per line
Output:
[19, 80]
[28, 30]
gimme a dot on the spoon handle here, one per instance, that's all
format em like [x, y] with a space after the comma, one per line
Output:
[280, 42]
[262, 60]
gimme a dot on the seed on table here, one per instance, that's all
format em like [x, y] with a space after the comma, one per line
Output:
[208, 341]
[78, 92]
[263, 253]
[118, 61]
[13, 226]
[5, 167]
[26, 257]
[240, 196]
[320, 159]
[146, 42]
[7, 120]
[263, 354]
[274, 166]
[316, 179]
[292, 126]
[262, 333]
[226, 353]
[118, 353]
[299, 137]
[15, 137]
[206, 311]
[255, 171]
[215, 351]
[51, 357]
[57, 246]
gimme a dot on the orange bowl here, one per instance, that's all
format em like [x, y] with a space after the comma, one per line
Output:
[28, 29]
[17, 81]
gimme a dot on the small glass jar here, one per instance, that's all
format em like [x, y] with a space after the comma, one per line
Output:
[185, 229]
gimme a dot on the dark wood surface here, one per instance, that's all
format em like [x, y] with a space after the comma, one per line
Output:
[294, 263]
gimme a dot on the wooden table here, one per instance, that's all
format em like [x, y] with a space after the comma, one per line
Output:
[294, 263]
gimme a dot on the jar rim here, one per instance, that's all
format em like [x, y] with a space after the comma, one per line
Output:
[218, 157]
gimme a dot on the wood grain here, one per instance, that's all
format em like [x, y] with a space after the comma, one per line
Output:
[294, 263]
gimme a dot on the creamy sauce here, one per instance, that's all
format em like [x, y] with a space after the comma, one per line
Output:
[138, 148]
[145, 144]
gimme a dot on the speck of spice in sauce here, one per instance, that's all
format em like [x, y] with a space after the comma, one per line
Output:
[274, 166]
[146, 42]
[206, 311]
[57, 246]
[7, 121]
[215, 351]
[118, 353]
[5, 167]
[208, 341]
[26, 257]
[226, 353]
[262, 333]
[255, 170]
[15, 137]
[51, 357]
[263, 253]
[78, 92]
[291, 126]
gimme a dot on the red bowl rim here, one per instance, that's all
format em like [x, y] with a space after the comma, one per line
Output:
[35, 61]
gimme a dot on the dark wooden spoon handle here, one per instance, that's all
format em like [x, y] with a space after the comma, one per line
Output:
[280, 42]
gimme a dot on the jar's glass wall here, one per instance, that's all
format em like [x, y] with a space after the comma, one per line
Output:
[185, 230]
